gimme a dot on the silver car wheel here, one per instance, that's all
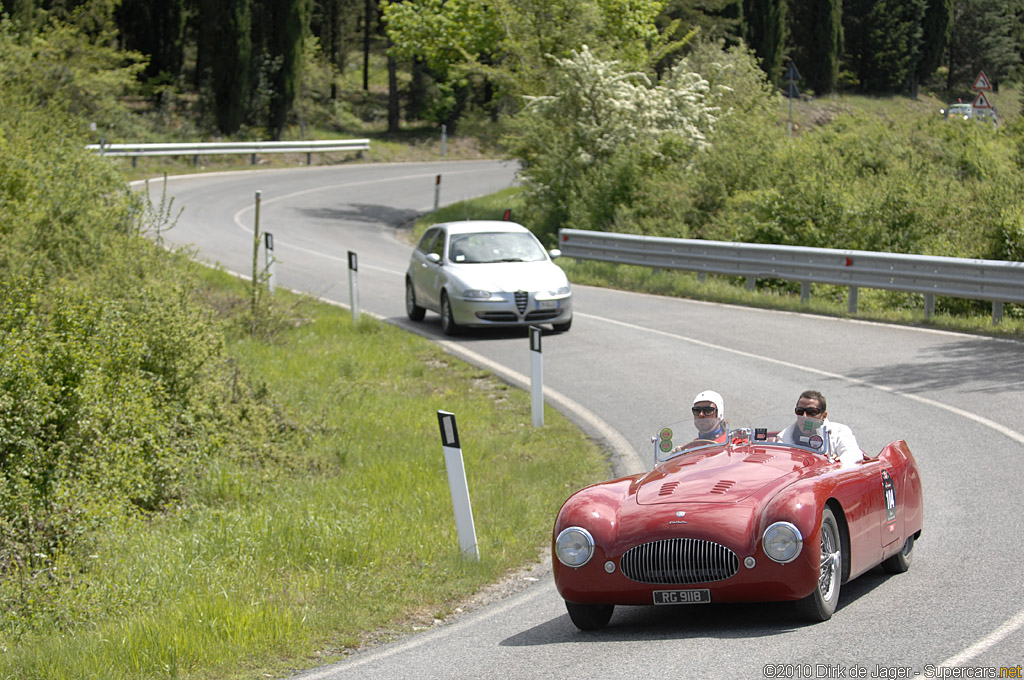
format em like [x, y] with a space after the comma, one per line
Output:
[448, 326]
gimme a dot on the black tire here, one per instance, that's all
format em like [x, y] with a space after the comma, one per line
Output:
[590, 616]
[562, 327]
[900, 562]
[448, 325]
[819, 605]
[414, 311]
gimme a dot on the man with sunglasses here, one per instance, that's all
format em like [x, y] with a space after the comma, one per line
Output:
[812, 425]
[709, 416]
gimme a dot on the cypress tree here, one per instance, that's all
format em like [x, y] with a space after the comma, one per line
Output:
[225, 56]
[816, 34]
[765, 32]
[284, 35]
[156, 29]
[938, 18]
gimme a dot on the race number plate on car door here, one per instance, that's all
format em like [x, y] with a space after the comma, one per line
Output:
[701, 596]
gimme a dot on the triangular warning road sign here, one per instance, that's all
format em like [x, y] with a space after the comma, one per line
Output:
[981, 101]
[981, 82]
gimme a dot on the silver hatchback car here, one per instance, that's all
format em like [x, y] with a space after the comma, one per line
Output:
[486, 273]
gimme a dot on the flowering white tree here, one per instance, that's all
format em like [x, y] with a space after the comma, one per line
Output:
[585, 146]
[605, 107]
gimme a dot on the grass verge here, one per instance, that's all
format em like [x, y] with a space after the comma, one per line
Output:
[343, 531]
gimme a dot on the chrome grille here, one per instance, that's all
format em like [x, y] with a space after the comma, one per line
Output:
[522, 297]
[679, 561]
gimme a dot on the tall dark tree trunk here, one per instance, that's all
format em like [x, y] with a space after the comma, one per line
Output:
[393, 108]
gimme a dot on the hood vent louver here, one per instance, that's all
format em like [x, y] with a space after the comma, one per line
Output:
[667, 488]
[722, 486]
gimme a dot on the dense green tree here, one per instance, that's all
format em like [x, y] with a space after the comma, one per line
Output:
[334, 22]
[938, 18]
[225, 54]
[280, 29]
[156, 29]
[982, 39]
[766, 31]
[884, 40]
[715, 19]
[816, 32]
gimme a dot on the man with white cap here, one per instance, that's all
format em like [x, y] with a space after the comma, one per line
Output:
[709, 416]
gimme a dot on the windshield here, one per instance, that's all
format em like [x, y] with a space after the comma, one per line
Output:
[768, 431]
[485, 248]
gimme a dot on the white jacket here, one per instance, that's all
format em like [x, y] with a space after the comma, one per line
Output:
[841, 440]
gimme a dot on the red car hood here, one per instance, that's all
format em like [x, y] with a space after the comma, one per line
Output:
[719, 475]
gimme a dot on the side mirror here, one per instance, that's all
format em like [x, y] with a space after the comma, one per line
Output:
[555, 253]
[434, 257]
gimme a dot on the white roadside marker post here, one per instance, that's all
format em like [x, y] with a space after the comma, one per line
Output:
[437, 192]
[537, 378]
[268, 251]
[353, 285]
[457, 484]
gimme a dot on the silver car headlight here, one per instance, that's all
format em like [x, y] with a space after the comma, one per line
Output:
[782, 542]
[553, 293]
[475, 294]
[574, 547]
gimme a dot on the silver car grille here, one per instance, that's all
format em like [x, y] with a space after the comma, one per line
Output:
[522, 297]
[679, 561]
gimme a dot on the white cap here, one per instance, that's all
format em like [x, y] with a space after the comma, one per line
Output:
[715, 398]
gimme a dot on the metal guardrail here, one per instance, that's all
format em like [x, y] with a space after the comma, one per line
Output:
[197, 149]
[994, 280]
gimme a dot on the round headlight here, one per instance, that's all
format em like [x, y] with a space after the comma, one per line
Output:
[574, 547]
[782, 542]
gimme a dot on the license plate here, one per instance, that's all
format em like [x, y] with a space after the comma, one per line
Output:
[701, 596]
[547, 304]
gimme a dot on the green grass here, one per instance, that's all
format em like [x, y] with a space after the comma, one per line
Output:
[345, 531]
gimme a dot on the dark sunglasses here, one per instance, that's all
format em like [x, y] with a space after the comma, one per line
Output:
[704, 410]
[809, 411]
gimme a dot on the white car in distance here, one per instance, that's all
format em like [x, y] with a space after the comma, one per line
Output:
[486, 273]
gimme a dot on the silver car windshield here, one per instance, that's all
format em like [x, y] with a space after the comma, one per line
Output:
[485, 248]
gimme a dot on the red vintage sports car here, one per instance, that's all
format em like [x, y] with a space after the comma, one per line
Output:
[752, 519]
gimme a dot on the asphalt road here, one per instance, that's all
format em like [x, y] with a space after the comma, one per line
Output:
[630, 364]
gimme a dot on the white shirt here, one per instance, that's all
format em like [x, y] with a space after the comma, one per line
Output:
[841, 440]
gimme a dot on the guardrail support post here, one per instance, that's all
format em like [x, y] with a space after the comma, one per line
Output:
[457, 484]
[997, 312]
[929, 305]
[751, 283]
[537, 378]
[268, 254]
[805, 292]
[853, 300]
[252, 159]
[309, 158]
[353, 285]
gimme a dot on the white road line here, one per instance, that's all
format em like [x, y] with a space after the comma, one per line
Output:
[985, 643]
